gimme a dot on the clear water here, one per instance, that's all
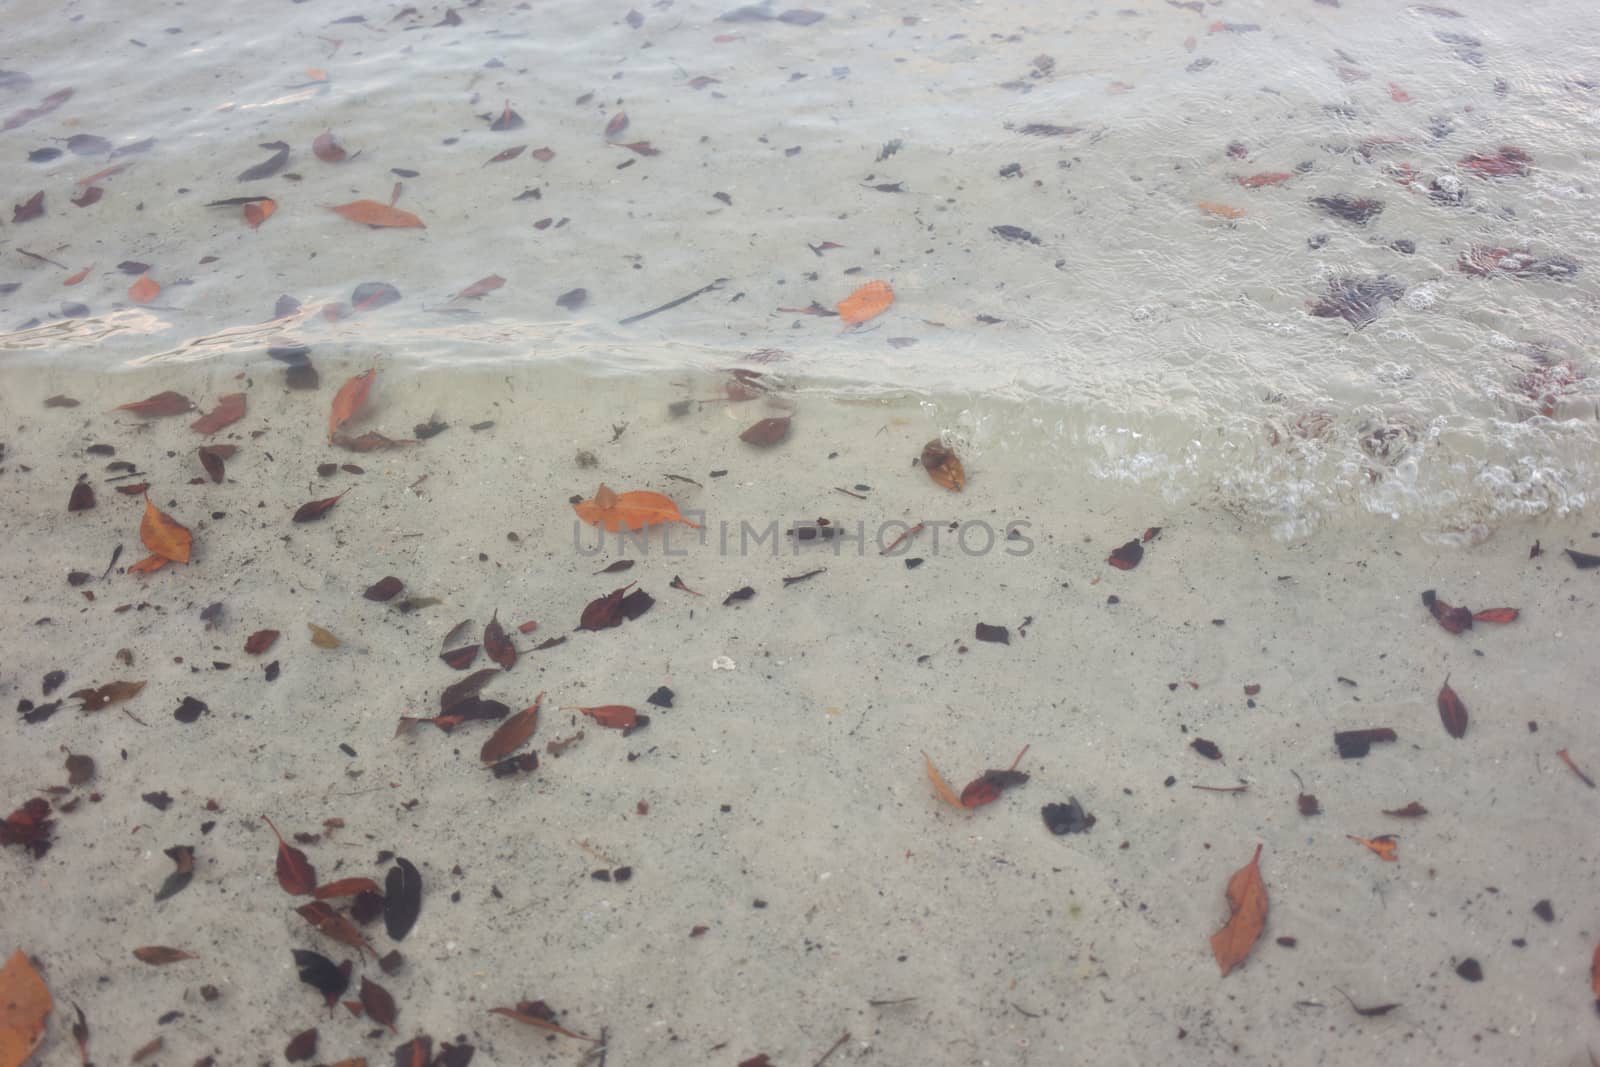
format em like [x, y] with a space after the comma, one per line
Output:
[1154, 327]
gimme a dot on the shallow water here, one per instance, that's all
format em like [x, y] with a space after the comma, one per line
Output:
[1146, 318]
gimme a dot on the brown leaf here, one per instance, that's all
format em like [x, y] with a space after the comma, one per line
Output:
[302, 1046]
[530, 1014]
[618, 123]
[384, 589]
[615, 716]
[507, 155]
[29, 209]
[269, 166]
[617, 605]
[348, 400]
[229, 410]
[89, 196]
[327, 149]
[943, 466]
[1247, 900]
[460, 658]
[157, 955]
[767, 432]
[1412, 810]
[214, 459]
[1498, 615]
[635, 509]
[258, 211]
[167, 539]
[372, 213]
[371, 441]
[346, 887]
[323, 638]
[168, 403]
[466, 689]
[82, 498]
[260, 641]
[1386, 846]
[108, 694]
[1126, 557]
[379, 1004]
[1455, 620]
[512, 733]
[332, 924]
[1452, 712]
[295, 873]
[316, 509]
[480, 288]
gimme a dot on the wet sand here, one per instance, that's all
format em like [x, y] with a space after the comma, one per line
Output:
[788, 808]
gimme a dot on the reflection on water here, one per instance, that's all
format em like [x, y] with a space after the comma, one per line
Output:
[1277, 262]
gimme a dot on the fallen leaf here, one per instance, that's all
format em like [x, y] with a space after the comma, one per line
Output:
[82, 498]
[1498, 615]
[332, 924]
[635, 510]
[643, 148]
[327, 149]
[1582, 560]
[89, 196]
[295, 873]
[29, 209]
[214, 459]
[1247, 901]
[610, 610]
[321, 974]
[367, 442]
[615, 716]
[106, 695]
[402, 898]
[379, 1004]
[1453, 619]
[1126, 557]
[538, 1015]
[497, 645]
[507, 155]
[507, 120]
[940, 786]
[384, 589]
[348, 400]
[25, 1006]
[167, 539]
[260, 641]
[144, 290]
[767, 432]
[618, 123]
[460, 658]
[372, 213]
[314, 510]
[1221, 211]
[322, 638]
[512, 733]
[229, 410]
[258, 211]
[78, 277]
[1386, 846]
[1452, 712]
[867, 302]
[168, 403]
[29, 826]
[987, 788]
[1412, 810]
[346, 887]
[480, 288]
[943, 465]
[159, 955]
[1256, 181]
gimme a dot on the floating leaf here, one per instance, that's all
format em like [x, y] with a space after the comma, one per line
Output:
[512, 733]
[944, 466]
[295, 873]
[168, 403]
[379, 1004]
[258, 211]
[1247, 901]
[229, 410]
[316, 509]
[868, 301]
[159, 955]
[106, 695]
[348, 400]
[402, 898]
[144, 290]
[322, 638]
[1385, 845]
[497, 645]
[332, 924]
[1452, 712]
[260, 641]
[372, 213]
[635, 510]
[25, 1006]
[767, 432]
[327, 149]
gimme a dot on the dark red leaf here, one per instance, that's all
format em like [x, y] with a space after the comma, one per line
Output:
[497, 646]
[1452, 712]
[316, 509]
[168, 403]
[1455, 620]
[379, 1004]
[460, 658]
[767, 432]
[295, 873]
[1208, 749]
[30, 208]
[1496, 615]
[1126, 557]
[260, 641]
[82, 498]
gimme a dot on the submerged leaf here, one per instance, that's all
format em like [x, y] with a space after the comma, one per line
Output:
[943, 466]
[1247, 901]
[635, 510]
[348, 400]
[295, 873]
[867, 302]
[316, 509]
[168, 403]
[512, 733]
[402, 898]
[229, 410]
[1452, 712]
[497, 645]
[372, 213]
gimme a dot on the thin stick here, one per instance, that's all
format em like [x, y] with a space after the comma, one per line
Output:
[835, 1048]
[670, 304]
[1568, 761]
[1221, 789]
[896, 542]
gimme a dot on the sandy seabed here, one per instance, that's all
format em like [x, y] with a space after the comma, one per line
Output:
[782, 805]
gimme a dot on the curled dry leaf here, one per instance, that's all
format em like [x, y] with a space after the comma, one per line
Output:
[167, 539]
[295, 873]
[382, 216]
[867, 302]
[635, 510]
[167, 403]
[158, 955]
[348, 400]
[229, 410]
[258, 211]
[985, 789]
[106, 695]
[943, 466]
[1386, 846]
[323, 638]
[1452, 712]
[512, 733]
[1247, 901]
[25, 1006]
[767, 432]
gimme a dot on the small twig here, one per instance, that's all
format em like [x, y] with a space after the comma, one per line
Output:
[834, 1048]
[1568, 761]
[134, 717]
[1221, 789]
[846, 492]
[670, 304]
[896, 543]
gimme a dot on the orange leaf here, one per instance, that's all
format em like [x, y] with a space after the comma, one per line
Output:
[869, 301]
[943, 466]
[372, 213]
[148, 565]
[295, 873]
[529, 1019]
[1247, 899]
[512, 733]
[1387, 846]
[258, 211]
[167, 403]
[1496, 615]
[616, 716]
[941, 786]
[163, 536]
[635, 510]
[1222, 211]
[25, 1006]
[1256, 181]
[229, 410]
[334, 925]
[78, 277]
[156, 955]
[144, 290]
[347, 887]
[348, 400]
